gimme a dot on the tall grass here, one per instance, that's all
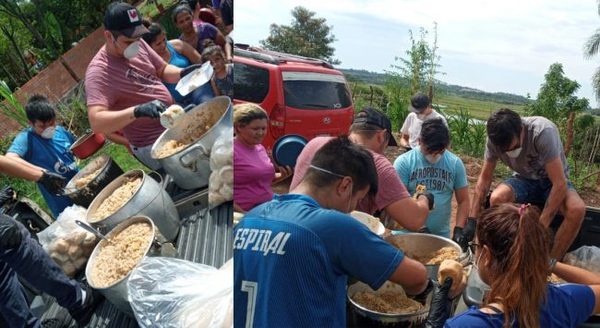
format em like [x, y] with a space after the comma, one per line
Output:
[11, 107]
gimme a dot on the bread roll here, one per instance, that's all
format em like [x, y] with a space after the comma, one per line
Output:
[452, 269]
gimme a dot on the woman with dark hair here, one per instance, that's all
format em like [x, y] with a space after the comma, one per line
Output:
[512, 256]
[195, 35]
[174, 52]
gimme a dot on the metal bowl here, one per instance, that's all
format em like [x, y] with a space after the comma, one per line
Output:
[361, 316]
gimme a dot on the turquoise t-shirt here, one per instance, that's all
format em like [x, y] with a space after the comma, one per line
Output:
[441, 179]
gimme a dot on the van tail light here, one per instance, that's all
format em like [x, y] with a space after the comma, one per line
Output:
[277, 122]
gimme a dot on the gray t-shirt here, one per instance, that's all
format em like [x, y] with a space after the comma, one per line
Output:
[541, 144]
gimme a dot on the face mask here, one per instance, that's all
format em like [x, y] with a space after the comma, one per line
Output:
[132, 50]
[514, 153]
[476, 263]
[433, 158]
[48, 133]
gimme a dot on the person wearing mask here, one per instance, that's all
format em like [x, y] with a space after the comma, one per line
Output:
[253, 170]
[442, 173]
[45, 147]
[512, 252]
[292, 255]
[124, 83]
[222, 80]
[420, 110]
[372, 129]
[176, 53]
[22, 257]
[532, 148]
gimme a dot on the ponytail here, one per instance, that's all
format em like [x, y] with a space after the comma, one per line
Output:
[520, 252]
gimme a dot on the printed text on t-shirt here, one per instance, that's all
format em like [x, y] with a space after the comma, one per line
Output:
[261, 240]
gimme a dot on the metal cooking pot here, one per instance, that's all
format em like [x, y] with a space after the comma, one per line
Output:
[117, 292]
[359, 316]
[88, 145]
[110, 170]
[423, 244]
[190, 167]
[149, 199]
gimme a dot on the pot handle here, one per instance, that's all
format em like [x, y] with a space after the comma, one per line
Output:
[188, 160]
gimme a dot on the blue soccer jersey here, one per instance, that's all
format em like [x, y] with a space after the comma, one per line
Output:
[292, 260]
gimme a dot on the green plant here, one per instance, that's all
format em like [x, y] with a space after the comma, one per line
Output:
[468, 135]
[73, 112]
[12, 107]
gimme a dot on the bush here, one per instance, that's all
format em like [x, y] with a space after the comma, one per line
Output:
[468, 135]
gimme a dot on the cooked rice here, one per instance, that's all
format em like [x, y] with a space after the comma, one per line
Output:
[437, 257]
[116, 200]
[387, 302]
[117, 258]
[82, 182]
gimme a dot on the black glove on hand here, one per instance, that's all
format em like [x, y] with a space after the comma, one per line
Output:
[53, 182]
[6, 194]
[10, 233]
[439, 311]
[422, 298]
[150, 109]
[459, 237]
[469, 229]
[189, 69]
[429, 196]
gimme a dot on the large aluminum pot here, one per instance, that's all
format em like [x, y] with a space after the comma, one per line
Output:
[84, 195]
[189, 167]
[117, 292]
[359, 316]
[423, 244]
[149, 199]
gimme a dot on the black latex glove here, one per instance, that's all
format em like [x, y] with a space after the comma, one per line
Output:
[422, 298]
[439, 310]
[189, 69]
[10, 233]
[150, 109]
[469, 229]
[459, 237]
[54, 183]
[6, 194]
[429, 196]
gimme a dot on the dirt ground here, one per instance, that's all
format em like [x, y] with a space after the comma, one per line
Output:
[473, 168]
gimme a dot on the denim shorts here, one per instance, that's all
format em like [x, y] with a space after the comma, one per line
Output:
[531, 191]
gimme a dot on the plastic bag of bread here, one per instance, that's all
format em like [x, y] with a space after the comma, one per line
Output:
[454, 270]
[220, 182]
[67, 244]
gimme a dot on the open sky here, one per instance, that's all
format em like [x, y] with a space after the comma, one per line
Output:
[491, 45]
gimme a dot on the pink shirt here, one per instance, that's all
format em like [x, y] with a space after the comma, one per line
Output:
[118, 83]
[253, 174]
[390, 188]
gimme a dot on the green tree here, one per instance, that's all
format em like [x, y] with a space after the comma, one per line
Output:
[590, 49]
[557, 101]
[414, 73]
[307, 36]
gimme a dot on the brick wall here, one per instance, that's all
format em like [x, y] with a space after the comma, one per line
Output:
[55, 81]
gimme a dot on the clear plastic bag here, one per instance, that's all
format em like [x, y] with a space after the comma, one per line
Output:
[585, 257]
[173, 293]
[68, 244]
[220, 182]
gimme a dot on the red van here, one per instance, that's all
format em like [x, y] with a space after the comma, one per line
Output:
[303, 96]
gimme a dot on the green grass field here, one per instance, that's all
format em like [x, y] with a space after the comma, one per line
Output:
[29, 189]
[477, 108]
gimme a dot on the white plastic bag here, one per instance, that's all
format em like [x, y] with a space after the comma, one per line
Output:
[585, 257]
[68, 244]
[173, 293]
[220, 182]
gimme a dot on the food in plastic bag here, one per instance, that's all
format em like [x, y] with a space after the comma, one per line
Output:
[220, 182]
[162, 296]
[67, 244]
[585, 257]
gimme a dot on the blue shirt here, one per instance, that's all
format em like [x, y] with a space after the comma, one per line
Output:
[51, 154]
[441, 179]
[292, 260]
[567, 305]
[180, 61]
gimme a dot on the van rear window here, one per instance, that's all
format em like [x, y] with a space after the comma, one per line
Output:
[315, 91]
[250, 83]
